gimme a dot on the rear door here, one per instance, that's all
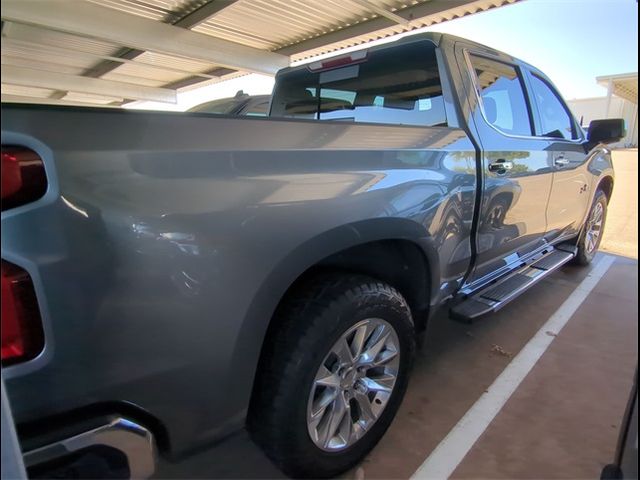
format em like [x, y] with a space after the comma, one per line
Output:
[558, 129]
[516, 166]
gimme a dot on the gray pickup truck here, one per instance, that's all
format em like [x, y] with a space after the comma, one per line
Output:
[169, 279]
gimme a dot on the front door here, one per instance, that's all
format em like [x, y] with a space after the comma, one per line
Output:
[555, 125]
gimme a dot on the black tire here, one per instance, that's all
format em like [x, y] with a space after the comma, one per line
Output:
[584, 255]
[309, 323]
[611, 472]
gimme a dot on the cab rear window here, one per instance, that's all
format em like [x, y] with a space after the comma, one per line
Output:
[392, 85]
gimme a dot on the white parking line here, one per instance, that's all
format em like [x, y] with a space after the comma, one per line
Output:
[455, 446]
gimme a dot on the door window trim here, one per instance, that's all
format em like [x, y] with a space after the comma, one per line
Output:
[533, 72]
[468, 52]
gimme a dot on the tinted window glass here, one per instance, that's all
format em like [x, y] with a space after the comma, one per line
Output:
[258, 109]
[223, 106]
[393, 85]
[503, 100]
[556, 121]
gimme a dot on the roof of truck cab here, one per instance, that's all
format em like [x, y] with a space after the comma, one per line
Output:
[436, 37]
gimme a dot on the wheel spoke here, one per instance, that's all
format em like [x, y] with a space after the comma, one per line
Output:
[385, 379]
[346, 427]
[320, 406]
[338, 410]
[385, 357]
[327, 378]
[597, 214]
[360, 338]
[594, 227]
[343, 352]
[377, 343]
[379, 384]
[364, 405]
[357, 431]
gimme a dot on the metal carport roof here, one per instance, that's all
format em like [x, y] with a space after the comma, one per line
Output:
[110, 52]
[624, 85]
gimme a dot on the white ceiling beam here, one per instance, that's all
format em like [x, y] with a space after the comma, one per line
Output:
[29, 77]
[94, 21]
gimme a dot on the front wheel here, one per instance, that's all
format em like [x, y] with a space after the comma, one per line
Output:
[593, 230]
[335, 375]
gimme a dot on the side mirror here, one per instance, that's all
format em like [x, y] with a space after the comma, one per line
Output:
[609, 130]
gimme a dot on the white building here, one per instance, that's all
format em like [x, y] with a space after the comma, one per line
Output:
[621, 101]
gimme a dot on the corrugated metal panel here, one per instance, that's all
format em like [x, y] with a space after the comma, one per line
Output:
[451, 14]
[162, 10]
[41, 54]
[627, 89]
[625, 85]
[274, 24]
[58, 39]
[11, 58]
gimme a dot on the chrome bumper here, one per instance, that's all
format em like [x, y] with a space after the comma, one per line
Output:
[136, 442]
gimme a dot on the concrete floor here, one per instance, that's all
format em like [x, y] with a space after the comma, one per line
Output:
[562, 421]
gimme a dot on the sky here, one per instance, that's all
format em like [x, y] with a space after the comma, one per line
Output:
[572, 41]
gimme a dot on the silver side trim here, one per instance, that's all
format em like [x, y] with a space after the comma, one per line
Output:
[135, 441]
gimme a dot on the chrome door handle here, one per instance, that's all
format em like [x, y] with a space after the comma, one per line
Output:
[561, 161]
[500, 166]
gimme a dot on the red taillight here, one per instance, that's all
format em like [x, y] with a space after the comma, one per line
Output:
[22, 336]
[341, 61]
[23, 177]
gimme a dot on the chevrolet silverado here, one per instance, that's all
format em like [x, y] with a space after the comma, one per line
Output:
[168, 278]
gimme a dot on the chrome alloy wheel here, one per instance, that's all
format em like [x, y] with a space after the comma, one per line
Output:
[594, 227]
[353, 384]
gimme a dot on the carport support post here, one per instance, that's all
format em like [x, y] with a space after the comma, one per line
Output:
[631, 140]
[609, 93]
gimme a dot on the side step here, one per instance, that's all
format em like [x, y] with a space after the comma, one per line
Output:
[497, 295]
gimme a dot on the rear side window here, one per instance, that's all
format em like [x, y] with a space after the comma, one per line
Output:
[222, 106]
[554, 116]
[502, 96]
[398, 85]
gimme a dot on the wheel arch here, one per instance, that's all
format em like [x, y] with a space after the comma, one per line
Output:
[606, 185]
[390, 249]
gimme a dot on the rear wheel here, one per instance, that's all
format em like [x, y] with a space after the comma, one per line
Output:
[334, 376]
[591, 235]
